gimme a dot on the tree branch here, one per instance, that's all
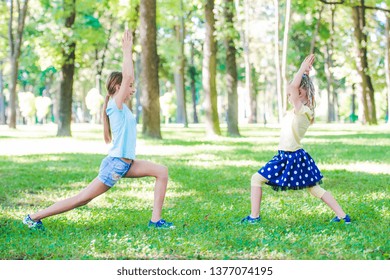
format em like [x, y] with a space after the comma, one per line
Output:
[366, 7]
[377, 8]
[330, 3]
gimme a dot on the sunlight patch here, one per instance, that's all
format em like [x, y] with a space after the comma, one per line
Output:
[365, 167]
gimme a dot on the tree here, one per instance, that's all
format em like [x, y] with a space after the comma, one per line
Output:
[192, 72]
[67, 70]
[209, 71]
[149, 74]
[387, 64]
[15, 36]
[279, 91]
[368, 100]
[231, 70]
[181, 112]
[252, 118]
[284, 53]
[2, 97]
[329, 63]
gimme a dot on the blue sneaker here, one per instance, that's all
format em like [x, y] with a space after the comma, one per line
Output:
[161, 224]
[346, 219]
[33, 224]
[249, 220]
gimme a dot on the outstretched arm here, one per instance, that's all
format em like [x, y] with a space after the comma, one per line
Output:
[127, 69]
[293, 88]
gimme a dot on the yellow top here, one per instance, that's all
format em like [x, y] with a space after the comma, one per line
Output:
[294, 127]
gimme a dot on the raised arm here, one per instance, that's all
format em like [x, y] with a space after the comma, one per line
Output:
[293, 88]
[127, 69]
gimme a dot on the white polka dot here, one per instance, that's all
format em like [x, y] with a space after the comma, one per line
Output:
[295, 172]
[297, 184]
[277, 181]
[292, 178]
[289, 185]
[311, 179]
[300, 177]
[276, 174]
[269, 176]
[303, 182]
[288, 173]
[303, 164]
[269, 169]
[306, 175]
[262, 170]
[298, 165]
[282, 164]
[276, 167]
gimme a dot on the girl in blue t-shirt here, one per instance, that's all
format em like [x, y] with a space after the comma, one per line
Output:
[120, 129]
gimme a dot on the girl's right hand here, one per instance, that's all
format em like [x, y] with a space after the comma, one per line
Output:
[127, 41]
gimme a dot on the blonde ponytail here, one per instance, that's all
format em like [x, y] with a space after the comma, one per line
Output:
[106, 122]
[307, 84]
[113, 80]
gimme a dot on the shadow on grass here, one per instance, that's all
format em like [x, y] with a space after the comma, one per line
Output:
[206, 204]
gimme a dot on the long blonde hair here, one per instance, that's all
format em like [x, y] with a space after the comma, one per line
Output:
[114, 79]
[307, 84]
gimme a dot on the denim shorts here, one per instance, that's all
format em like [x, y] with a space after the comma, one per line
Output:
[112, 169]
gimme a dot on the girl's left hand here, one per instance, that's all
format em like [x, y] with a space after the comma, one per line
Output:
[307, 64]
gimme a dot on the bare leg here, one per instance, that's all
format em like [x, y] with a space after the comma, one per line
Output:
[256, 194]
[332, 203]
[94, 189]
[143, 168]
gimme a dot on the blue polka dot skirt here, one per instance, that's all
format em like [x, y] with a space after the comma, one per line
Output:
[291, 171]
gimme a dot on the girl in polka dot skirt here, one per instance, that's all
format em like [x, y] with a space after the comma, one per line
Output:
[293, 168]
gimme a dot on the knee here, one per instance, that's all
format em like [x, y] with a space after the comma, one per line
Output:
[317, 191]
[257, 180]
[162, 172]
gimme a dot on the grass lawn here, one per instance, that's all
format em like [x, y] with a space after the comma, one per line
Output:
[208, 194]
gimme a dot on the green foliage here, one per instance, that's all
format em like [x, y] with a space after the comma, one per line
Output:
[208, 194]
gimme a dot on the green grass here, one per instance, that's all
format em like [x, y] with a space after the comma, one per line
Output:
[208, 194]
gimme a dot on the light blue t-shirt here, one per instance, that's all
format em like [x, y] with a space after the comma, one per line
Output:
[124, 130]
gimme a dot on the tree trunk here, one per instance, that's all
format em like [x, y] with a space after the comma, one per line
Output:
[277, 62]
[149, 74]
[231, 71]
[15, 42]
[138, 70]
[284, 58]
[209, 71]
[329, 72]
[192, 70]
[387, 65]
[2, 97]
[329, 82]
[248, 83]
[358, 14]
[67, 73]
[181, 112]
[315, 33]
